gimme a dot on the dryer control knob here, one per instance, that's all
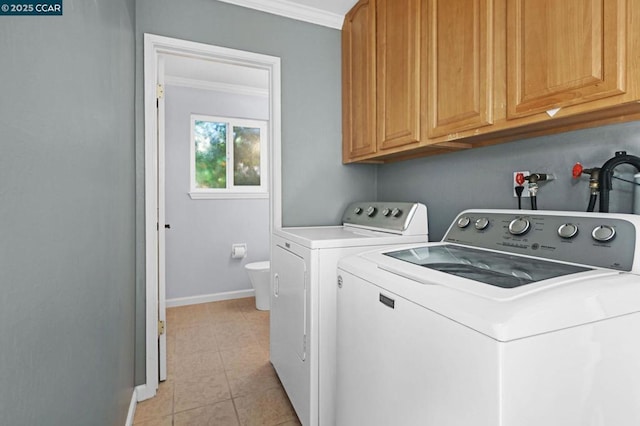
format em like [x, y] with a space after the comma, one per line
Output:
[396, 212]
[357, 210]
[371, 211]
[603, 233]
[519, 226]
[386, 212]
[568, 230]
[481, 223]
[463, 222]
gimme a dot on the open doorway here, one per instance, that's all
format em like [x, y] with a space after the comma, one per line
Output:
[192, 61]
[216, 138]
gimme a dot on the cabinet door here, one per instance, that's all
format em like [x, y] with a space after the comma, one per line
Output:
[458, 42]
[398, 72]
[562, 53]
[359, 81]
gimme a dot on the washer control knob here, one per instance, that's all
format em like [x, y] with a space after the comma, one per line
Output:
[603, 233]
[396, 212]
[463, 222]
[371, 211]
[386, 212]
[357, 210]
[481, 223]
[519, 226]
[568, 230]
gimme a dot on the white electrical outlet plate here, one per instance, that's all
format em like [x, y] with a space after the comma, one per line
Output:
[525, 192]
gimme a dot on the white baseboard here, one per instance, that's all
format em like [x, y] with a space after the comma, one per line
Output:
[132, 408]
[144, 392]
[206, 298]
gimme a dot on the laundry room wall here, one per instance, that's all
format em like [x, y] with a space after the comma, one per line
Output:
[67, 208]
[315, 186]
[198, 245]
[482, 177]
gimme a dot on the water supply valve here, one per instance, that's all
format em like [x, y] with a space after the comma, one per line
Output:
[533, 180]
[519, 179]
[594, 182]
[539, 177]
[520, 184]
[594, 176]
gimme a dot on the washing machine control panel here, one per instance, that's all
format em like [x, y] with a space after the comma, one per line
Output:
[602, 240]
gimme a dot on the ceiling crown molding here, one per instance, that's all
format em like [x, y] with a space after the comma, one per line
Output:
[292, 10]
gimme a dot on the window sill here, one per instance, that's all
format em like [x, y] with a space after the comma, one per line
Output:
[227, 195]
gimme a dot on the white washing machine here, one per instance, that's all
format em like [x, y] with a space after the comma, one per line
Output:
[303, 301]
[517, 318]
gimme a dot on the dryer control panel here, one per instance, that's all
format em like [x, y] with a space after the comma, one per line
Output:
[596, 239]
[394, 217]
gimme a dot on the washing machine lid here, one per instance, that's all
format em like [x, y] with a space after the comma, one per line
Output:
[493, 268]
[575, 296]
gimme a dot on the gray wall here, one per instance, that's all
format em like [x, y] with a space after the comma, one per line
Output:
[67, 215]
[198, 249]
[316, 186]
[481, 178]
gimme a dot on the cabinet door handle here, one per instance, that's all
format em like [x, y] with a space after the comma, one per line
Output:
[387, 301]
[276, 284]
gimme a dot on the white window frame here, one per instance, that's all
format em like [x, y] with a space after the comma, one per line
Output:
[231, 191]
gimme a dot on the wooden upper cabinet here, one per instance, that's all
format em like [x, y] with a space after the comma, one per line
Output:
[458, 42]
[421, 77]
[563, 52]
[359, 81]
[398, 73]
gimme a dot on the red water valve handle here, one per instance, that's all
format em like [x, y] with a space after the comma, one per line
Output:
[520, 178]
[576, 172]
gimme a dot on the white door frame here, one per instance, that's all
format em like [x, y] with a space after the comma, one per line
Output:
[154, 46]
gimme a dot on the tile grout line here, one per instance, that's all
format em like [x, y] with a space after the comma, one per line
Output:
[235, 409]
[226, 376]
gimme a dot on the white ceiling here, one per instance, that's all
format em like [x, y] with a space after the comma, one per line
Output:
[193, 72]
[202, 69]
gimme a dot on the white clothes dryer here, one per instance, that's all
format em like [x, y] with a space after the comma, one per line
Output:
[303, 300]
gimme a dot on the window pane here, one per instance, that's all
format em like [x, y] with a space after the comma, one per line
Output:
[246, 156]
[211, 154]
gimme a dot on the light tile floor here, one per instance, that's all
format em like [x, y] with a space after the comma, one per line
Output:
[218, 370]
